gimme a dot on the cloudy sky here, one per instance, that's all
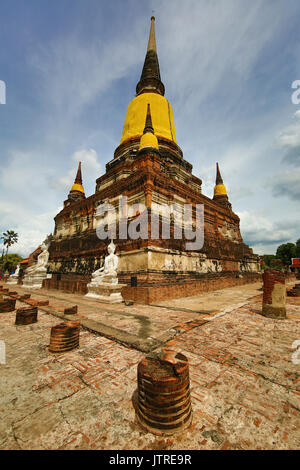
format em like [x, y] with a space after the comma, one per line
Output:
[71, 67]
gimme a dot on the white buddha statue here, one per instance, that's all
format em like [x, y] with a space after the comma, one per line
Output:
[108, 273]
[41, 265]
[16, 273]
[35, 274]
[104, 285]
[13, 278]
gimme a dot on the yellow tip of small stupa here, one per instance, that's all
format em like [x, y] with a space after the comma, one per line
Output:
[77, 187]
[148, 140]
[220, 190]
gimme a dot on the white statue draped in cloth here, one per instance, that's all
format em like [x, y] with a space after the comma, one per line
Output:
[104, 285]
[13, 278]
[41, 265]
[35, 274]
[108, 273]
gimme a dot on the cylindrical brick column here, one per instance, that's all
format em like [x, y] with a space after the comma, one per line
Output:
[295, 291]
[42, 303]
[64, 337]
[71, 310]
[163, 402]
[274, 294]
[26, 316]
[7, 305]
[13, 293]
[24, 296]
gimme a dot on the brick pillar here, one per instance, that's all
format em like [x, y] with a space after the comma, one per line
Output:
[7, 305]
[274, 294]
[64, 337]
[163, 404]
[26, 316]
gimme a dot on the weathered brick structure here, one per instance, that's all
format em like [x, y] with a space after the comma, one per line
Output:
[148, 169]
[7, 305]
[163, 402]
[295, 291]
[274, 294]
[64, 337]
[26, 315]
[71, 310]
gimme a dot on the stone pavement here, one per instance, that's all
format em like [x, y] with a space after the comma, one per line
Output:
[220, 300]
[245, 387]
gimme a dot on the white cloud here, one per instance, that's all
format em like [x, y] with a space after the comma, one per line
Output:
[26, 201]
[31, 194]
[75, 73]
[289, 142]
[297, 114]
[90, 167]
[207, 43]
[263, 235]
[32, 227]
[287, 184]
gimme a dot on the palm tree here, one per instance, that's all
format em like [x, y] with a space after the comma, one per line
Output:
[9, 238]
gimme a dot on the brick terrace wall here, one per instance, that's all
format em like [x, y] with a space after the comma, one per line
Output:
[66, 285]
[153, 294]
[156, 292]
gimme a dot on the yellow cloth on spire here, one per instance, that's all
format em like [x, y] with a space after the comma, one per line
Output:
[220, 190]
[161, 113]
[148, 140]
[77, 187]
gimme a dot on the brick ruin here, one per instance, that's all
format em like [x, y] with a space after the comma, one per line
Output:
[148, 168]
[274, 294]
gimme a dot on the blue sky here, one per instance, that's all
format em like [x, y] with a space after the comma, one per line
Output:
[71, 67]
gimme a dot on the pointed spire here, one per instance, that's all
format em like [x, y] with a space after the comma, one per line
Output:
[148, 138]
[219, 179]
[220, 192]
[152, 41]
[77, 186]
[78, 179]
[148, 125]
[150, 79]
[76, 192]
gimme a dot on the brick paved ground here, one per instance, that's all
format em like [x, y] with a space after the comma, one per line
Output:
[245, 387]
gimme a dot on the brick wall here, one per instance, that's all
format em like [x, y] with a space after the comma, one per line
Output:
[66, 285]
[155, 293]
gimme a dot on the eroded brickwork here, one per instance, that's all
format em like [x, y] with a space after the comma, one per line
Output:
[274, 294]
[155, 177]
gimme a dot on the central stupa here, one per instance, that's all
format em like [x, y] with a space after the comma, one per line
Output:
[148, 169]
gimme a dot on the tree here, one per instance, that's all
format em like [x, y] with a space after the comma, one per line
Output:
[271, 262]
[297, 251]
[286, 252]
[12, 261]
[9, 238]
[267, 260]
